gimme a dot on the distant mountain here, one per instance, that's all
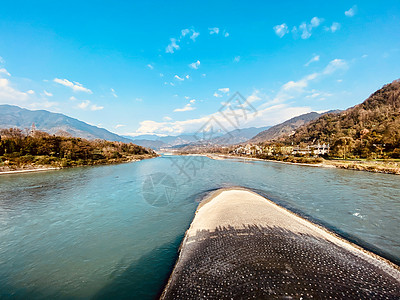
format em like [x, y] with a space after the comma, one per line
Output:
[175, 142]
[155, 145]
[150, 137]
[368, 130]
[284, 129]
[238, 136]
[53, 123]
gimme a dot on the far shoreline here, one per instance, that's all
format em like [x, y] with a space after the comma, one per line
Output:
[344, 165]
[50, 168]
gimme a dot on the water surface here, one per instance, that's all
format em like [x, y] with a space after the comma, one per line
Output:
[92, 232]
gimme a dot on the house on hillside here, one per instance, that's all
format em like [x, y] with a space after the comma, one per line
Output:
[249, 149]
[315, 150]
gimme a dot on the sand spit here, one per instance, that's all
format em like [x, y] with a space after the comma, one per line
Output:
[243, 246]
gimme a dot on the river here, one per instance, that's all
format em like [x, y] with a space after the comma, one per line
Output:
[93, 232]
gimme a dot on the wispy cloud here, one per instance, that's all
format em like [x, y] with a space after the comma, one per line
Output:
[9, 93]
[48, 94]
[236, 59]
[334, 27]
[172, 46]
[187, 107]
[217, 95]
[195, 65]
[75, 86]
[179, 78]
[86, 104]
[174, 42]
[281, 30]
[119, 126]
[114, 93]
[213, 30]
[150, 66]
[4, 71]
[351, 12]
[313, 59]
[224, 90]
[304, 29]
[216, 31]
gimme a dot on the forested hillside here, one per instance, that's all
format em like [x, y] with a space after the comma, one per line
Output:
[368, 130]
[21, 150]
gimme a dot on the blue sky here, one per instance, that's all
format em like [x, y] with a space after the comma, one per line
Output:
[166, 67]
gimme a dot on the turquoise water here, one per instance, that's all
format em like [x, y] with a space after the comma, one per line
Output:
[93, 232]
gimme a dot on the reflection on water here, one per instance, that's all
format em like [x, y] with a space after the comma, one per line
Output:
[89, 232]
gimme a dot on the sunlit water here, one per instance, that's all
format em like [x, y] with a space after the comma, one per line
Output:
[93, 232]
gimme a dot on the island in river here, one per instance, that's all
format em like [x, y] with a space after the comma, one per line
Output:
[38, 150]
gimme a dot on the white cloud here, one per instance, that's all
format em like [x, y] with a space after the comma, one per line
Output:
[187, 107]
[194, 35]
[187, 76]
[166, 118]
[72, 98]
[150, 67]
[315, 22]
[119, 126]
[226, 34]
[85, 104]
[8, 93]
[114, 93]
[4, 71]
[43, 105]
[224, 90]
[174, 43]
[267, 116]
[313, 59]
[305, 28]
[48, 94]
[75, 86]
[31, 92]
[172, 46]
[306, 31]
[2, 61]
[270, 112]
[195, 65]
[335, 65]
[294, 89]
[184, 32]
[334, 27]
[281, 30]
[351, 12]
[179, 78]
[236, 59]
[139, 99]
[95, 107]
[213, 30]
[217, 95]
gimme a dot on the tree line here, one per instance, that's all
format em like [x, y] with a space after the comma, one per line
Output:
[19, 148]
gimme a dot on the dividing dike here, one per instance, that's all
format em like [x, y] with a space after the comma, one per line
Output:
[241, 245]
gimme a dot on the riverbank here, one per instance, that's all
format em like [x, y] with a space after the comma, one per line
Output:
[4, 170]
[386, 167]
[243, 245]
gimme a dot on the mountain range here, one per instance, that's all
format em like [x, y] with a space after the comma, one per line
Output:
[54, 123]
[286, 128]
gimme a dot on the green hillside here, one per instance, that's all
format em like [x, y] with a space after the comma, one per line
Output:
[368, 130]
